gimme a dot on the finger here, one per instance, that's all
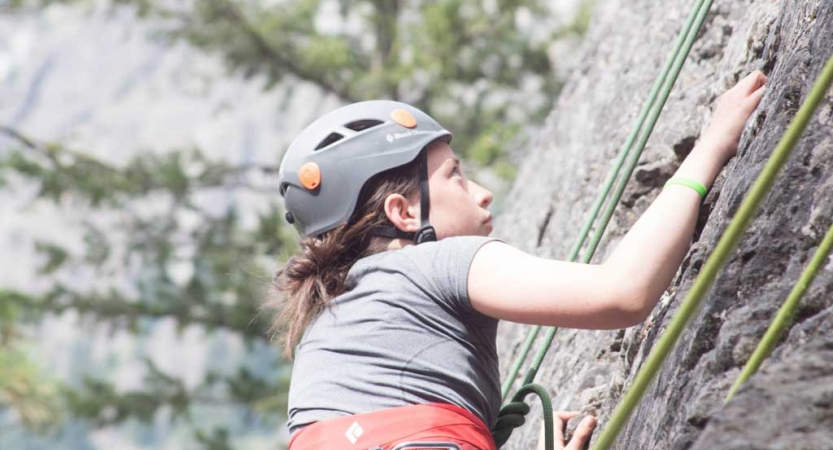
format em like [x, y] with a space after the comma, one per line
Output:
[760, 79]
[582, 433]
[558, 425]
[566, 415]
[752, 81]
[756, 96]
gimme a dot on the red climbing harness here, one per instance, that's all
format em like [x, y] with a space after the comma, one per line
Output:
[429, 426]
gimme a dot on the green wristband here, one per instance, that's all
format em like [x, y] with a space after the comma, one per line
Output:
[697, 186]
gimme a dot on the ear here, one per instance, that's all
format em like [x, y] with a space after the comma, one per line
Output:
[402, 213]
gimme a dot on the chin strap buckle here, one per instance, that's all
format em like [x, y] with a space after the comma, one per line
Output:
[425, 234]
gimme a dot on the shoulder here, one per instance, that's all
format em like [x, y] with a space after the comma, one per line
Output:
[442, 267]
[448, 256]
[457, 246]
[439, 268]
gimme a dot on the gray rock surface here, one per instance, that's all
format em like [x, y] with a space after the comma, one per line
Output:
[787, 405]
[799, 388]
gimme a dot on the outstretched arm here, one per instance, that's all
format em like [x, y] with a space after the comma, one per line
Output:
[509, 284]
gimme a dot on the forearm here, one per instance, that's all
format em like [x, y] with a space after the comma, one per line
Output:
[651, 252]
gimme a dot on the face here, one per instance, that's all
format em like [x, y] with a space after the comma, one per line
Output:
[458, 205]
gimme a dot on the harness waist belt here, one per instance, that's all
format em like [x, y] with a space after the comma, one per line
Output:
[389, 428]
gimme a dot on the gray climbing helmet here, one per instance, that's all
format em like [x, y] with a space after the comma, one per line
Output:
[325, 167]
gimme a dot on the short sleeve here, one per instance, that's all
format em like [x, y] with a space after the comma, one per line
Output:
[446, 265]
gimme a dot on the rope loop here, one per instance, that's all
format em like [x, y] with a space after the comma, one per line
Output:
[513, 415]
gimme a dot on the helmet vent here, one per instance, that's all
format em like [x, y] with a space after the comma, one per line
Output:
[360, 125]
[333, 137]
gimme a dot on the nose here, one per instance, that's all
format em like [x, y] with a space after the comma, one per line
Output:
[481, 195]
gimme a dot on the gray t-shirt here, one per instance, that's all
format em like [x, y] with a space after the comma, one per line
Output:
[405, 333]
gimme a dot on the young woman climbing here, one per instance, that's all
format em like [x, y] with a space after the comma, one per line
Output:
[392, 303]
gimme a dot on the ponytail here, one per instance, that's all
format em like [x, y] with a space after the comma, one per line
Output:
[318, 272]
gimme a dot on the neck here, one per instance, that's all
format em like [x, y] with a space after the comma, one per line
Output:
[385, 244]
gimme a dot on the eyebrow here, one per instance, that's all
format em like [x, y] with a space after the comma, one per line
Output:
[454, 163]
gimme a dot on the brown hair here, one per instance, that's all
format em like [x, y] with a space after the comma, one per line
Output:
[316, 274]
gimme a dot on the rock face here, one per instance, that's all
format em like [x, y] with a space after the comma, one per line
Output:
[789, 404]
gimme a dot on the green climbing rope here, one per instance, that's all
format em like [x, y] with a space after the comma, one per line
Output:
[672, 67]
[633, 159]
[724, 249]
[512, 415]
[785, 314]
[516, 366]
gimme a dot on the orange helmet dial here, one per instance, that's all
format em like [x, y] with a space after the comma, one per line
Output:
[310, 175]
[403, 118]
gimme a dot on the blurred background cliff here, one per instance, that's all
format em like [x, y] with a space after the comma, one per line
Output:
[139, 221]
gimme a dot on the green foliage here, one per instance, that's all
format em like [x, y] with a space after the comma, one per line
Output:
[474, 67]
[488, 147]
[22, 387]
[581, 21]
[223, 290]
[97, 245]
[218, 439]
[99, 401]
[23, 390]
[55, 257]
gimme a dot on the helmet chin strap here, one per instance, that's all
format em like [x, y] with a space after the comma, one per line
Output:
[426, 232]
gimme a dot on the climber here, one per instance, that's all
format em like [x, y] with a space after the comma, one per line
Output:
[392, 303]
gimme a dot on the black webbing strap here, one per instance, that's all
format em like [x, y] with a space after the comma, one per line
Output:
[426, 232]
